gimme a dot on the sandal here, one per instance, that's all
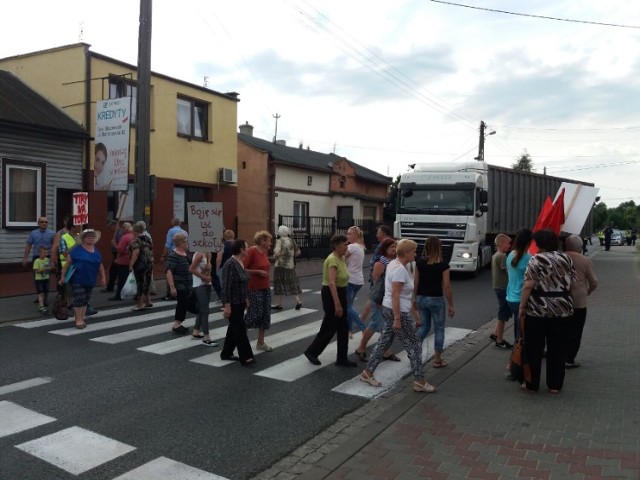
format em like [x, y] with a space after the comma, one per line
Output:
[391, 357]
[370, 379]
[80, 326]
[362, 356]
[439, 364]
[427, 388]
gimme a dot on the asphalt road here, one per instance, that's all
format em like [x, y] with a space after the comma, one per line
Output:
[225, 420]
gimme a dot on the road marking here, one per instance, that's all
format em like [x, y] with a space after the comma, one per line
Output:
[275, 340]
[163, 468]
[14, 418]
[390, 373]
[120, 322]
[148, 331]
[75, 449]
[177, 344]
[298, 367]
[33, 382]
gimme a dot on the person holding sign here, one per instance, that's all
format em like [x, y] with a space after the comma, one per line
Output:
[258, 266]
[202, 278]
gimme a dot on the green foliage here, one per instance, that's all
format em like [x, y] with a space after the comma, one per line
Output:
[625, 216]
[523, 163]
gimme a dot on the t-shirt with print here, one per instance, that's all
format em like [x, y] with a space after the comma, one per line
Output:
[39, 264]
[553, 274]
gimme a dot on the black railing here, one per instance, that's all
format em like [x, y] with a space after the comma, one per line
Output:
[312, 234]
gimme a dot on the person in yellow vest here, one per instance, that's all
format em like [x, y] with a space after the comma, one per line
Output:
[66, 243]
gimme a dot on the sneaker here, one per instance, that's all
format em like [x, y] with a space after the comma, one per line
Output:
[571, 364]
[210, 343]
[263, 347]
[503, 344]
[42, 309]
[493, 338]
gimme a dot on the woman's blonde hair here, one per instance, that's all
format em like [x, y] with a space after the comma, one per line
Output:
[179, 237]
[404, 246]
[359, 234]
[260, 236]
[432, 250]
[228, 235]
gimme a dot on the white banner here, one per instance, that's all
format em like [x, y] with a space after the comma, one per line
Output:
[205, 226]
[111, 162]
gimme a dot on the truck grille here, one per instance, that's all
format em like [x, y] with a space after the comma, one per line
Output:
[448, 233]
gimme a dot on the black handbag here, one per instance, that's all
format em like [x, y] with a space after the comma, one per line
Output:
[376, 294]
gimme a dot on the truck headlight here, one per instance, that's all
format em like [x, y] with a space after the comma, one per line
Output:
[465, 255]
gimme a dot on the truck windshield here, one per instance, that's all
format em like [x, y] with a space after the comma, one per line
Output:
[450, 202]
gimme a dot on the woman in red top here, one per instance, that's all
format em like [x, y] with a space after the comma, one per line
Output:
[257, 265]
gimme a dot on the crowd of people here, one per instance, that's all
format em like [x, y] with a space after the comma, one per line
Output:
[545, 293]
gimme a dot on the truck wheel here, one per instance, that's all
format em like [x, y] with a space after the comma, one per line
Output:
[478, 265]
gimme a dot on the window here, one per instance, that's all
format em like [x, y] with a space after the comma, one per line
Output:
[192, 118]
[345, 217]
[183, 195]
[309, 180]
[23, 187]
[343, 181]
[369, 213]
[120, 87]
[300, 215]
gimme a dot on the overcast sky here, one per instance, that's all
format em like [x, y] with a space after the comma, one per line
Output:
[387, 84]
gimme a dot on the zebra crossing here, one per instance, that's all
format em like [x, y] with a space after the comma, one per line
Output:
[151, 324]
[77, 450]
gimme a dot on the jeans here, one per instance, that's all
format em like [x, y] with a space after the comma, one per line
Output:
[352, 314]
[515, 306]
[431, 308]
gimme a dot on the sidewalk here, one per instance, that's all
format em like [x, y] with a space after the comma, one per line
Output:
[18, 292]
[478, 425]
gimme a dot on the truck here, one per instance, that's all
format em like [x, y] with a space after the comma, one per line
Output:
[466, 204]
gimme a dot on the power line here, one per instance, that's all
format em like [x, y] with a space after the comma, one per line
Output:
[543, 17]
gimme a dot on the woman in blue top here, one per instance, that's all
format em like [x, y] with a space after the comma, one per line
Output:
[517, 261]
[87, 263]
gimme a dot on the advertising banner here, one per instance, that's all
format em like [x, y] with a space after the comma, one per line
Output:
[111, 161]
[205, 226]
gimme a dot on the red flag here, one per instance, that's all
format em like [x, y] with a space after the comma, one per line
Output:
[551, 217]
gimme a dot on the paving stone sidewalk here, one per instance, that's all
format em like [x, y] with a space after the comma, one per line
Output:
[479, 425]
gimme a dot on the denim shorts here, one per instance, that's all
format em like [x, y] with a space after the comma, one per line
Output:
[377, 320]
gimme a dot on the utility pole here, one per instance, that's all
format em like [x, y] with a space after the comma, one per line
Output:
[275, 135]
[142, 183]
[480, 156]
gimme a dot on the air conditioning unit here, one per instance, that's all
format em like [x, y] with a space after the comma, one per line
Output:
[228, 175]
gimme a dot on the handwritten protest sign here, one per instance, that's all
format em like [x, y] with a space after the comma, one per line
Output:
[205, 226]
[80, 208]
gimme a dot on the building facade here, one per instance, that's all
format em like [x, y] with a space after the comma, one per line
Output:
[192, 134]
[302, 186]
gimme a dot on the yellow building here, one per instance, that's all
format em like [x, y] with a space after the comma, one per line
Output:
[193, 142]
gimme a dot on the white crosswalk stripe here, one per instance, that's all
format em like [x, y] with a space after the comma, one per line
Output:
[178, 344]
[287, 370]
[15, 419]
[165, 469]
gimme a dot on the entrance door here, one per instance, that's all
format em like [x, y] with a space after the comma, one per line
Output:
[64, 205]
[345, 217]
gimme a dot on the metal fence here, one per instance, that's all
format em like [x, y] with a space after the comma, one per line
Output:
[312, 234]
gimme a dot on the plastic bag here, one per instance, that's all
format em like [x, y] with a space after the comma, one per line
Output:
[130, 289]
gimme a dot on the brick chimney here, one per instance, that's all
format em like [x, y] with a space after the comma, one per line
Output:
[246, 129]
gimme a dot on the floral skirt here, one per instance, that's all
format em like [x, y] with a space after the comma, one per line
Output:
[285, 281]
[259, 312]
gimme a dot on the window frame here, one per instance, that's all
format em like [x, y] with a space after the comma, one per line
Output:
[126, 85]
[194, 104]
[300, 219]
[41, 193]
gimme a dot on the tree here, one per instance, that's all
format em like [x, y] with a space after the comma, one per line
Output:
[523, 163]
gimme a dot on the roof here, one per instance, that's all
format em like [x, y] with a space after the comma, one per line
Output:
[20, 106]
[304, 158]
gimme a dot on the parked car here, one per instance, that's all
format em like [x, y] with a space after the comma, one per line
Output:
[617, 237]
